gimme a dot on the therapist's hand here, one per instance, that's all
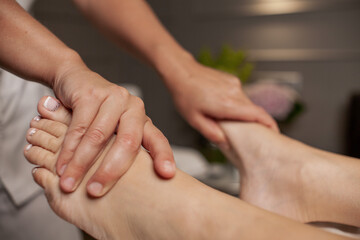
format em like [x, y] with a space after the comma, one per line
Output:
[98, 108]
[204, 96]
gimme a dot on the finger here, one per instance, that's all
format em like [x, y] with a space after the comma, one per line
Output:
[121, 154]
[56, 129]
[41, 157]
[210, 129]
[43, 139]
[91, 144]
[159, 149]
[250, 113]
[83, 115]
[51, 108]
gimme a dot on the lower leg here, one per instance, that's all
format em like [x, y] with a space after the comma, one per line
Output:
[292, 179]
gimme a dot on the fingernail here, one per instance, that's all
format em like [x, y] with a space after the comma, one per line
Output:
[68, 183]
[28, 147]
[34, 170]
[32, 132]
[51, 104]
[37, 118]
[62, 169]
[168, 166]
[95, 188]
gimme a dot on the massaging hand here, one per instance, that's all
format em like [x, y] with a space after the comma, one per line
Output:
[98, 108]
[204, 95]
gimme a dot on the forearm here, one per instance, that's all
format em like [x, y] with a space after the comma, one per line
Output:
[133, 26]
[28, 49]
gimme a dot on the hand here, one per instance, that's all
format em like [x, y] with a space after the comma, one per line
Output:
[204, 96]
[98, 108]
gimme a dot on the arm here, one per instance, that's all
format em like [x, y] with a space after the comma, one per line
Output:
[202, 95]
[30, 50]
[143, 206]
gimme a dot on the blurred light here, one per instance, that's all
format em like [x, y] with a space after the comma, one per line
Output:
[274, 7]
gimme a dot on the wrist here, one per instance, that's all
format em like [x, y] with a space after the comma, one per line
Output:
[172, 64]
[70, 61]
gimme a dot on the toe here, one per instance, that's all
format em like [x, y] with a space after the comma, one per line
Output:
[57, 129]
[51, 108]
[42, 139]
[41, 157]
[47, 180]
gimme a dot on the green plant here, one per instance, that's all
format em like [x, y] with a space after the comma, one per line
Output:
[228, 60]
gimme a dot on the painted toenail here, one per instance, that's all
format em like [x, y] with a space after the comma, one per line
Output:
[37, 118]
[28, 147]
[69, 183]
[32, 132]
[95, 188]
[62, 169]
[168, 166]
[51, 104]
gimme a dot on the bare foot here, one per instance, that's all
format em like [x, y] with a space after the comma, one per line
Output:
[292, 179]
[140, 188]
[143, 206]
[271, 168]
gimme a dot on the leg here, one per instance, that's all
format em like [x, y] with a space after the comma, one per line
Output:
[287, 177]
[143, 206]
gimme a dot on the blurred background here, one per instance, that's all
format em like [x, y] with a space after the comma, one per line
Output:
[317, 41]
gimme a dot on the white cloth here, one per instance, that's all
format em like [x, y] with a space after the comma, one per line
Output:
[24, 211]
[18, 102]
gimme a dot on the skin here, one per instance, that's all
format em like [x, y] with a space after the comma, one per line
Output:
[143, 206]
[97, 105]
[292, 179]
[202, 95]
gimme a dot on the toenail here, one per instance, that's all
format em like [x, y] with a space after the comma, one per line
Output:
[28, 147]
[34, 170]
[69, 183]
[168, 166]
[51, 104]
[32, 132]
[37, 118]
[95, 188]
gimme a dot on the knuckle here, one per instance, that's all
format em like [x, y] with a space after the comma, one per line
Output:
[128, 142]
[147, 119]
[160, 137]
[53, 144]
[43, 157]
[77, 168]
[109, 173]
[229, 103]
[139, 103]
[236, 82]
[120, 91]
[96, 136]
[78, 130]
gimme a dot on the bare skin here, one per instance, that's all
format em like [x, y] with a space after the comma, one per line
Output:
[201, 94]
[143, 206]
[292, 179]
[31, 51]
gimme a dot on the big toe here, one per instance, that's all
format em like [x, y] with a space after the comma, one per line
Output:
[52, 109]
